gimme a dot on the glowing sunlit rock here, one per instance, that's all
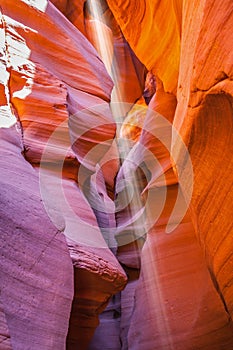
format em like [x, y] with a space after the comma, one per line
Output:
[63, 67]
[153, 30]
[7, 118]
[195, 65]
[46, 85]
[204, 119]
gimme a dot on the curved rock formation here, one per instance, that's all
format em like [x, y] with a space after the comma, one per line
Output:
[77, 187]
[59, 124]
[153, 30]
[73, 10]
[36, 269]
[204, 119]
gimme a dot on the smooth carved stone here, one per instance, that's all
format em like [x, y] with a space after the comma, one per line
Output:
[128, 302]
[36, 64]
[176, 304]
[36, 268]
[49, 94]
[163, 102]
[183, 298]
[153, 30]
[211, 148]
[73, 10]
[97, 276]
[125, 69]
[204, 119]
[107, 335]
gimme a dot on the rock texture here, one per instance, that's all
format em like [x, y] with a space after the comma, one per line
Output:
[176, 304]
[74, 182]
[205, 99]
[150, 28]
[73, 10]
[46, 90]
[202, 85]
[35, 301]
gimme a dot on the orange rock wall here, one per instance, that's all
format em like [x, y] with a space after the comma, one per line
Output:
[204, 118]
[200, 78]
[153, 30]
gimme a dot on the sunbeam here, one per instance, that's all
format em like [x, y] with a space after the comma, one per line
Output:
[130, 214]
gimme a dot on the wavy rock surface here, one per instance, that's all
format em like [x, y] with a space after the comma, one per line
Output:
[34, 60]
[59, 90]
[176, 304]
[35, 301]
[204, 119]
[73, 10]
[153, 30]
[46, 89]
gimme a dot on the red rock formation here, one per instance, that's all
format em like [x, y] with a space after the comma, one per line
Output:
[58, 87]
[177, 306]
[153, 31]
[204, 98]
[127, 72]
[204, 118]
[44, 85]
[73, 10]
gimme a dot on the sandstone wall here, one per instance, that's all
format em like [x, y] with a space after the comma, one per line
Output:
[58, 94]
[43, 83]
[197, 36]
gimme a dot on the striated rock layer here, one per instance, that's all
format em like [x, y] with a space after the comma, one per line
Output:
[177, 306]
[63, 184]
[45, 88]
[200, 79]
[204, 119]
[36, 269]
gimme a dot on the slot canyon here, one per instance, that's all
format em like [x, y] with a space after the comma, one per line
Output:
[116, 163]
